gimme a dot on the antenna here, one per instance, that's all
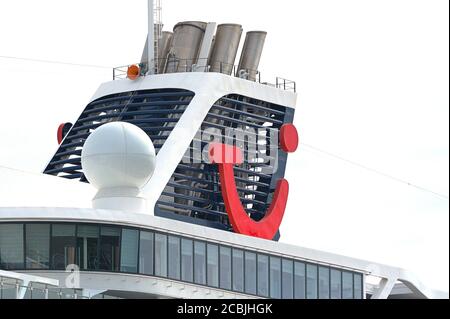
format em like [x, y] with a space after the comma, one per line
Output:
[151, 38]
[154, 33]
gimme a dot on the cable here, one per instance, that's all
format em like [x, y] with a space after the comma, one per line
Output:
[56, 62]
[424, 189]
[421, 188]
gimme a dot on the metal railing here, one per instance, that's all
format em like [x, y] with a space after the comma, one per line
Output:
[174, 65]
[285, 84]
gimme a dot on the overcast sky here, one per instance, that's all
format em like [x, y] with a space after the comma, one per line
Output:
[373, 81]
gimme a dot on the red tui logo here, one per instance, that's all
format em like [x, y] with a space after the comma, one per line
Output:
[226, 157]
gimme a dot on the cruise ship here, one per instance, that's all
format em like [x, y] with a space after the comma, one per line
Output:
[171, 184]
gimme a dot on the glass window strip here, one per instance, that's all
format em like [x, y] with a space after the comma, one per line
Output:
[279, 279]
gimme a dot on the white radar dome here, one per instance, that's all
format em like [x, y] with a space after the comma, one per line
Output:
[118, 155]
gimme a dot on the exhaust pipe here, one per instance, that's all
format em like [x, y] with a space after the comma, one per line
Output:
[251, 54]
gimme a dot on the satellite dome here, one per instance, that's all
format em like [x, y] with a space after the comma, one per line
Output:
[118, 155]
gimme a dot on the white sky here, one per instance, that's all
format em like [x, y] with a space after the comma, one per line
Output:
[373, 80]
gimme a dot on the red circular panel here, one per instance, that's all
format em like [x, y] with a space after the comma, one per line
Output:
[289, 138]
[59, 133]
[63, 129]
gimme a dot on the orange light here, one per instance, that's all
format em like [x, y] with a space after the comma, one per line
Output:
[133, 72]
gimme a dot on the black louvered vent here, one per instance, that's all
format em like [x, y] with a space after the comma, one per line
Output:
[155, 111]
[193, 193]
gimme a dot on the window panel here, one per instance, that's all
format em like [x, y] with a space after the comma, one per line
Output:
[299, 280]
[9, 291]
[250, 273]
[87, 247]
[311, 281]
[347, 285]
[146, 250]
[109, 248]
[187, 260]
[238, 270]
[161, 255]
[174, 258]
[213, 265]
[357, 286]
[336, 284]
[37, 246]
[275, 277]
[287, 277]
[225, 267]
[129, 250]
[38, 293]
[324, 283]
[263, 275]
[63, 246]
[199, 263]
[27, 294]
[11, 246]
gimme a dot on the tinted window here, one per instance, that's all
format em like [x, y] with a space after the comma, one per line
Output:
[63, 246]
[11, 246]
[347, 285]
[250, 273]
[311, 281]
[37, 246]
[187, 260]
[299, 280]
[357, 286]
[238, 270]
[200, 263]
[263, 275]
[287, 278]
[146, 253]
[109, 248]
[225, 267]
[129, 250]
[336, 285]
[174, 257]
[161, 255]
[324, 283]
[275, 277]
[87, 247]
[213, 265]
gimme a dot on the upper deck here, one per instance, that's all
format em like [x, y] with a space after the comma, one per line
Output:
[162, 257]
[188, 66]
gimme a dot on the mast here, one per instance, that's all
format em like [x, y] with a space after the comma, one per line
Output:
[151, 38]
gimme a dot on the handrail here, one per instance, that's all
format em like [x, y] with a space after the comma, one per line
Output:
[29, 278]
[175, 65]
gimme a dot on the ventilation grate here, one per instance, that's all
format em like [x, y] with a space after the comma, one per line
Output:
[155, 111]
[193, 193]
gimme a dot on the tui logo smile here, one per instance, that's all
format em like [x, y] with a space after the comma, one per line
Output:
[226, 157]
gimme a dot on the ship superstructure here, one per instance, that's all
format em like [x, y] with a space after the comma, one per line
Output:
[201, 220]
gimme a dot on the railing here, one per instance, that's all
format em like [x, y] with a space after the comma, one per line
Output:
[287, 85]
[173, 65]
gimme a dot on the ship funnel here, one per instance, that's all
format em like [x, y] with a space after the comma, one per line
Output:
[225, 48]
[163, 50]
[251, 54]
[185, 47]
